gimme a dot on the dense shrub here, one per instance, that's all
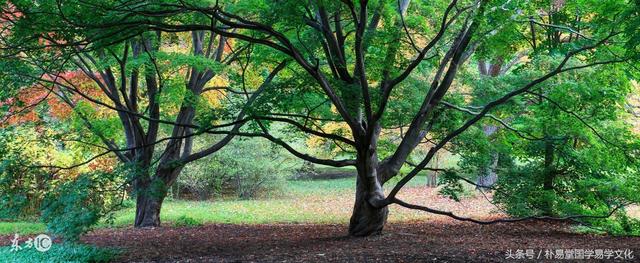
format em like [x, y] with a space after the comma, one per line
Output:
[306, 171]
[582, 190]
[186, 221]
[246, 168]
[33, 183]
[74, 206]
[22, 184]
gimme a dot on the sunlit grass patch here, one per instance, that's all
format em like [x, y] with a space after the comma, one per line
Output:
[21, 228]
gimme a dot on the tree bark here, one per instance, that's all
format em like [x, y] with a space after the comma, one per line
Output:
[432, 179]
[548, 176]
[148, 210]
[150, 195]
[366, 219]
[489, 175]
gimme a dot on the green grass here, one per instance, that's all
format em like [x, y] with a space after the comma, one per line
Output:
[300, 201]
[337, 185]
[230, 212]
[59, 252]
[21, 228]
[306, 187]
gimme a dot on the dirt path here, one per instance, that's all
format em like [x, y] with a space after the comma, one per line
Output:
[407, 242]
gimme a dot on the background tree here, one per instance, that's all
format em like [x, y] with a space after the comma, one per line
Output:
[555, 122]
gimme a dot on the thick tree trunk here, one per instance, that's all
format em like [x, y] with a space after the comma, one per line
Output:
[367, 220]
[432, 179]
[151, 191]
[148, 210]
[150, 195]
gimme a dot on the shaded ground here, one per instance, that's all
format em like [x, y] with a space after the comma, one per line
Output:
[437, 240]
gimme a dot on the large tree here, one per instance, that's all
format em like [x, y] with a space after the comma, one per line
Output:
[152, 83]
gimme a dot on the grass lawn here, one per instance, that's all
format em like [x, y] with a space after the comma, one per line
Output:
[21, 228]
[317, 201]
[299, 202]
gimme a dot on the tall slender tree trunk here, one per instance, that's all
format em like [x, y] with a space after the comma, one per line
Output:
[548, 176]
[489, 175]
[432, 179]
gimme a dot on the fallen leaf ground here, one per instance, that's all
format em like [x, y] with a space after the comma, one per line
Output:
[436, 240]
[410, 236]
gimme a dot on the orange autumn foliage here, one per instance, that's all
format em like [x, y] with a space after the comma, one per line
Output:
[23, 106]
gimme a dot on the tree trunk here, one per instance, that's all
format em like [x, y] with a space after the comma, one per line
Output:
[548, 176]
[150, 195]
[152, 191]
[432, 178]
[367, 220]
[489, 176]
[148, 210]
